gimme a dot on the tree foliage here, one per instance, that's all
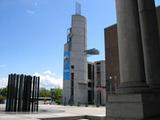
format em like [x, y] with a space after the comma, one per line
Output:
[44, 92]
[57, 95]
[3, 92]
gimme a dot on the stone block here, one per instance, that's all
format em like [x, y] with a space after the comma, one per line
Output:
[133, 106]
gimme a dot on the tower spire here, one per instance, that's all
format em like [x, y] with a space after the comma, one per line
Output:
[78, 8]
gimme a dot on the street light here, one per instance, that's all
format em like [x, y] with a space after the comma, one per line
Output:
[110, 84]
[116, 82]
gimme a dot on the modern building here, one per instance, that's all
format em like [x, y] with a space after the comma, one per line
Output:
[112, 58]
[99, 83]
[96, 85]
[83, 82]
[75, 83]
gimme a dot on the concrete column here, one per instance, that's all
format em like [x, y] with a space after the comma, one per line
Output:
[150, 40]
[132, 71]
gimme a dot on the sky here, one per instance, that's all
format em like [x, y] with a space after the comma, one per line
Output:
[33, 33]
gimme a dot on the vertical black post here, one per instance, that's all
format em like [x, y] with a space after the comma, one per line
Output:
[12, 91]
[35, 108]
[16, 91]
[20, 101]
[33, 94]
[29, 93]
[24, 105]
[38, 81]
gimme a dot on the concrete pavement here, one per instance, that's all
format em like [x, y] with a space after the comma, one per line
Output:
[53, 111]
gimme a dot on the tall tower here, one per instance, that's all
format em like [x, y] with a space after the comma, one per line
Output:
[75, 61]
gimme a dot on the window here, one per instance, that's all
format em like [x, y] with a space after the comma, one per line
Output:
[89, 84]
[72, 66]
[89, 71]
[98, 67]
[72, 76]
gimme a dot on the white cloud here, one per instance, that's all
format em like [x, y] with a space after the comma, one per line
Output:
[30, 12]
[49, 79]
[3, 66]
[48, 72]
[3, 82]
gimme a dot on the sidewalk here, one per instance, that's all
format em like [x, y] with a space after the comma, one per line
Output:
[54, 111]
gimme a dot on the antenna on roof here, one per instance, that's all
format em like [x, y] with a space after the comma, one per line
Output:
[78, 8]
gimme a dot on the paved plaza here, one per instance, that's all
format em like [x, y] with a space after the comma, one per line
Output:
[53, 111]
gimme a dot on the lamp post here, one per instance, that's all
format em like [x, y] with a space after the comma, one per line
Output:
[116, 82]
[110, 84]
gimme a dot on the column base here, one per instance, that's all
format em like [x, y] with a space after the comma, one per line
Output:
[133, 106]
[155, 87]
[133, 87]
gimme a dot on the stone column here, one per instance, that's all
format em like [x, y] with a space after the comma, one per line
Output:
[132, 71]
[139, 103]
[150, 39]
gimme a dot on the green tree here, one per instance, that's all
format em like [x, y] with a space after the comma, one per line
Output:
[56, 94]
[44, 92]
[3, 92]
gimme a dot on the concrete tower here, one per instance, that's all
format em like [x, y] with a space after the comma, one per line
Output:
[75, 62]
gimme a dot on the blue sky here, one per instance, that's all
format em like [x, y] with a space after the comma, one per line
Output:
[33, 32]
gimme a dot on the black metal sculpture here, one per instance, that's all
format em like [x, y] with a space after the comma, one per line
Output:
[23, 93]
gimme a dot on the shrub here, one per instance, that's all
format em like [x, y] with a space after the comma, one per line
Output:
[2, 99]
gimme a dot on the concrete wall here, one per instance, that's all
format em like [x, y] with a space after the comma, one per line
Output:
[99, 80]
[79, 59]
